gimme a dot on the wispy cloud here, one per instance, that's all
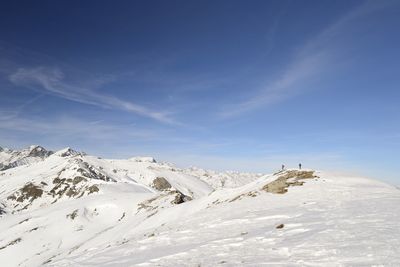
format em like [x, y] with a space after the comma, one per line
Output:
[52, 81]
[287, 85]
[312, 59]
[64, 127]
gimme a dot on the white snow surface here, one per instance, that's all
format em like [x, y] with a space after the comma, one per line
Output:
[329, 220]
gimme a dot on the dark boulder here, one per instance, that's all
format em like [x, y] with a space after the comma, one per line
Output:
[161, 184]
[180, 198]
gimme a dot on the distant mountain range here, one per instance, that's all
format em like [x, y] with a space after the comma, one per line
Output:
[67, 208]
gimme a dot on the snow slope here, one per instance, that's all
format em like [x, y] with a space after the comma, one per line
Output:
[80, 210]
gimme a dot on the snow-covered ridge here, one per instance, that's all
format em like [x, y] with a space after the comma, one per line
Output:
[71, 209]
[143, 159]
[67, 152]
[11, 158]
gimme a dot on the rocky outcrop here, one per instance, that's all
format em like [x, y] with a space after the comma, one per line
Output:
[59, 188]
[24, 197]
[2, 167]
[72, 215]
[2, 211]
[14, 164]
[143, 159]
[38, 151]
[89, 171]
[161, 184]
[72, 187]
[28, 192]
[287, 179]
[68, 152]
[15, 241]
[180, 198]
[162, 201]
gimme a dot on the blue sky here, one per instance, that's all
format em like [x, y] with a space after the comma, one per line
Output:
[228, 85]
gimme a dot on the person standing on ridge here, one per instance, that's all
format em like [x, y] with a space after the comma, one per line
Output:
[299, 166]
[283, 167]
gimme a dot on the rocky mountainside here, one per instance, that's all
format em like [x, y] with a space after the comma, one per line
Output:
[10, 159]
[71, 209]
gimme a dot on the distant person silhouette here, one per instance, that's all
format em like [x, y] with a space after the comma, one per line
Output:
[283, 167]
[299, 166]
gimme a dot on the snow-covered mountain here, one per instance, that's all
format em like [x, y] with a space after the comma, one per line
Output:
[10, 159]
[70, 209]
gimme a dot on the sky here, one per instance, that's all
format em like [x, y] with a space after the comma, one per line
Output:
[226, 85]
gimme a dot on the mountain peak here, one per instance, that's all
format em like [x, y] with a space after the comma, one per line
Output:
[66, 152]
[38, 151]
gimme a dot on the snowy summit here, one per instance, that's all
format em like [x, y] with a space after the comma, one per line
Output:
[71, 209]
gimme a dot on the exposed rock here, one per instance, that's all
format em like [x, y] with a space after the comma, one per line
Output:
[67, 152]
[11, 243]
[148, 204]
[14, 164]
[123, 216]
[89, 171]
[38, 151]
[152, 214]
[143, 159]
[78, 179]
[288, 178]
[161, 184]
[161, 201]
[93, 189]
[249, 194]
[279, 186]
[27, 219]
[26, 156]
[29, 192]
[252, 193]
[60, 187]
[280, 226]
[72, 215]
[71, 192]
[180, 198]
[236, 198]
[75, 187]
[2, 211]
